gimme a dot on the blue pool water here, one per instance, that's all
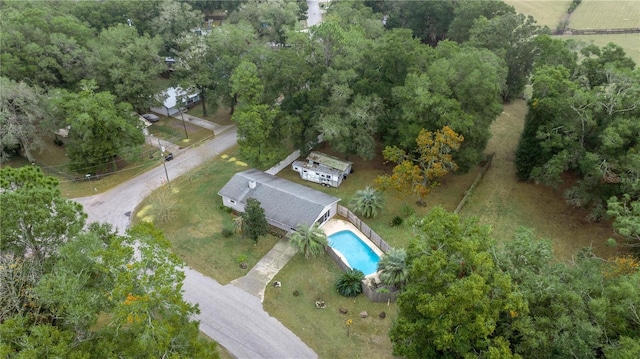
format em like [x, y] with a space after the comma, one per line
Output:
[358, 254]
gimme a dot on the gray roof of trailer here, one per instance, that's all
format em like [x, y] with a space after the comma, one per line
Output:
[329, 161]
[283, 201]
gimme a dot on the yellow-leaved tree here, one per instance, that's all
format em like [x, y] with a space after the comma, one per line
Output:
[417, 172]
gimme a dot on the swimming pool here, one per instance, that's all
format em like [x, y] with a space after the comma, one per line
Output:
[357, 253]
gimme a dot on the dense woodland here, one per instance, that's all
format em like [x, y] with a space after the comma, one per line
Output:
[373, 76]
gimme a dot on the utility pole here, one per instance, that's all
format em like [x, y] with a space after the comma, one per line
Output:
[164, 162]
[183, 125]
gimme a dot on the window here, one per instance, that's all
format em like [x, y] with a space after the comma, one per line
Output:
[324, 217]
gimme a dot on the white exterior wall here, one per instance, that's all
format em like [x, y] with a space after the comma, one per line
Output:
[232, 204]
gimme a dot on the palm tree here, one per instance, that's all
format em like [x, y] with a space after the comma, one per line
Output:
[310, 240]
[393, 268]
[367, 201]
[350, 283]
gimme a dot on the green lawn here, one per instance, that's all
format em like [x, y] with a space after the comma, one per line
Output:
[173, 130]
[220, 115]
[506, 204]
[325, 330]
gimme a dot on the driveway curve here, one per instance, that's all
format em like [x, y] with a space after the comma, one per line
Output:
[229, 315]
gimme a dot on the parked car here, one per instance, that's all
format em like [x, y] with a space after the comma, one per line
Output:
[168, 157]
[151, 117]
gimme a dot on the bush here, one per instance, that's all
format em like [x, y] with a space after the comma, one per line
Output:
[226, 209]
[407, 211]
[350, 283]
[227, 232]
[396, 221]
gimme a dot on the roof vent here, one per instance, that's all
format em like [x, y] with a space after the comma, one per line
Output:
[252, 184]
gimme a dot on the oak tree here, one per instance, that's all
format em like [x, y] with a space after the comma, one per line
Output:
[417, 173]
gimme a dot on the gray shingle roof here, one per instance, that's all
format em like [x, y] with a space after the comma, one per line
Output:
[283, 201]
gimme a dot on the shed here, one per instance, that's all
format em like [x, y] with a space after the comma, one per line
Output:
[286, 204]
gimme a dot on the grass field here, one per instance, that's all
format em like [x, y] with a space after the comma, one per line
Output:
[629, 42]
[606, 14]
[173, 130]
[546, 12]
[506, 204]
[220, 115]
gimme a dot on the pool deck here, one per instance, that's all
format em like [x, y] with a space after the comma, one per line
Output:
[336, 225]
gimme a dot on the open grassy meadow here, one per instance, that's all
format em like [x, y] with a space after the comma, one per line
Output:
[549, 13]
[590, 14]
[606, 14]
[506, 204]
[629, 42]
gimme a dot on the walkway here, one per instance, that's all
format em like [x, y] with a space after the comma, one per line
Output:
[263, 272]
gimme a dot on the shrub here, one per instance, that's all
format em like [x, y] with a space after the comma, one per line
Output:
[396, 221]
[407, 211]
[227, 232]
[350, 283]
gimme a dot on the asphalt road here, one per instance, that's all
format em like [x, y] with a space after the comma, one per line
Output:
[229, 315]
[314, 15]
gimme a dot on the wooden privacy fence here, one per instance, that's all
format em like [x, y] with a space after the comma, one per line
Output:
[366, 230]
[370, 291]
[378, 297]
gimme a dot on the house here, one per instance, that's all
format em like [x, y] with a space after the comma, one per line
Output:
[286, 204]
[324, 169]
[171, 105]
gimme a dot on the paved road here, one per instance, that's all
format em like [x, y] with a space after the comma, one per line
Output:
[228, 314]
[314, 14]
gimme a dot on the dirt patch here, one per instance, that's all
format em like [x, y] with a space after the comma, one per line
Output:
[507, 204]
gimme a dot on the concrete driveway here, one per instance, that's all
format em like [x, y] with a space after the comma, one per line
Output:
[229, 315]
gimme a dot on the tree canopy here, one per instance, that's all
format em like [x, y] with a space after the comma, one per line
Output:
[455, 295]
[584, 123]
[468, 297]
[100, 128]
[76, 293]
